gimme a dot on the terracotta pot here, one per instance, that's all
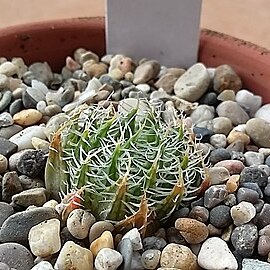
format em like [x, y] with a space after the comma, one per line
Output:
[52, 41]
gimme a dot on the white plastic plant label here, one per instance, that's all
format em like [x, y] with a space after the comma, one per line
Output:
[164, 30]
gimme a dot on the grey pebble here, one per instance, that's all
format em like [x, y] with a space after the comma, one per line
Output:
[253, 158]
[126, 250]
[4, 266]
[218, 140]
[32, 162]
[174, 236]
[153, 242]
[219, 154]
[233, 111]
[6, 210]
[215, 195]
[10, 185]
[150, 258]
[16, 106]
[7, 132]
[28, 101]
[17, 226]
[16, 256]
[5, 100]
[35, 196]
[7, 148]
[40, 72]
[263, 218]
[203, 134]
[6, 119]
[244, 239]
[263, 113]
[247, 194]
[220, 216]
[253, 175]
[253, 186]
[202, 113]
[252, 264]
[29, 183]
[106, 79]
[199, 213]
[53, 109]
[210, 98]
[230, 200]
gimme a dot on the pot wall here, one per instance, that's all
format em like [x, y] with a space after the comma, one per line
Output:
[52, 41]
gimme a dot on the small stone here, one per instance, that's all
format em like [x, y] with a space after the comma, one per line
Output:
[246, 194]
[35, 196]
[23, 139]
[84, 56]
[31, 183]
[264, 216]
[220, 216]
[226, 78]
[259, 131]
[79, 222]
[167, 82]
[218, 155]
[203, 134]
[45, 232]
[53, 109]
[6, 211]
[209, 98]
[244, 239]
[192, 230]
[253, 175]
[233, 183]
[253, 186]
[104, 241]
[183, 105]
[108, 259]
[71, 64]
[230, 200]
[248, 101]
[121, 62]
[43, 265]
[17, 226]
[227, 232]
[263, 113]
[40, 72]
[215, 195]
[7, 147]
[5, 100]
[8, 69]
[135, 238]
[235, 135]
[7, 132]
[263, 245]
[233, 111]
[252, 264]
[32, 162]
[253, 158]
[193, 83]
[222, 125]
[150, 258]
[10, 186]
[153, 242]
[174, 236]
[202, 113]
[146, 72]
[40, 144]
[199, 213]
[179, 257]
[73, 256]
[5, 119]
[53, 124]
[218, 140]
[211, 252]
[3, 163]
[16, 256]
[15, 107]
[213, 231]
[243, 213]
[226, 95]
[233, 166]
[98, 228]
[94, 69]
[126, 250]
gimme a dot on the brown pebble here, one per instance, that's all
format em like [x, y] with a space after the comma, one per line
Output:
[226, 78]
[236, 135]
[27, 117]
[104, 241]
[192, 230]
[233, 183]
[94, 69]
[233, 166]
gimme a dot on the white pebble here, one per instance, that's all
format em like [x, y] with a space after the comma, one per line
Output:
[216, 255]
[73, 256]
[108, 259]
[253, 158]
[242, 213]
[218, 140]
[135, 238]
[44, 265]
[24, 138]
[44, 238]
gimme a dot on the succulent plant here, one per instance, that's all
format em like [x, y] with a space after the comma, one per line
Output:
[132, 166]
